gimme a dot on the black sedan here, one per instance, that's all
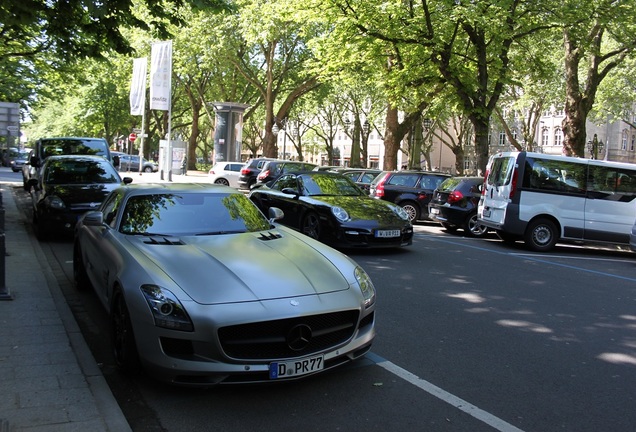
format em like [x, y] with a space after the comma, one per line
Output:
[331, 208]
[454, 205]
[68, 187]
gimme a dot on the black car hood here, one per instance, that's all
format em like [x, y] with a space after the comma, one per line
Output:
[360, 208]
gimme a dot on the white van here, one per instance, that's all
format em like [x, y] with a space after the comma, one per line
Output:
[543, 199]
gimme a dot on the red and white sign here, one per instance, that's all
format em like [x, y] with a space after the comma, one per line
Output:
[132, 137]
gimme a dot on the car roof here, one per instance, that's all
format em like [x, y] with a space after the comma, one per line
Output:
[76, 157]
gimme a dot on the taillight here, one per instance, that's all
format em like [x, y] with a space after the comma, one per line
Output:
[513, 183]
[245, 171]
[483, 188]
[379, 188]
[263, 175]
[454, 197]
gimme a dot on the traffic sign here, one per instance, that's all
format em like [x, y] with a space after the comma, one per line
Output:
[132, 137]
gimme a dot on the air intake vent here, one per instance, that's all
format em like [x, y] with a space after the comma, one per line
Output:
[270, 236]
[160, 240]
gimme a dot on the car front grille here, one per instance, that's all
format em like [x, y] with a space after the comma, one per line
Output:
[279, 338]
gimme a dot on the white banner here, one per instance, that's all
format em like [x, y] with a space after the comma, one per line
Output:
[138, 86]
[161, 75]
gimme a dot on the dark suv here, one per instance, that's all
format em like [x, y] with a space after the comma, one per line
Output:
[273, 169]
[411, 190]
[250, 170]
[454, 205]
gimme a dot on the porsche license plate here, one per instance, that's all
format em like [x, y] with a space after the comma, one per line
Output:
[486, 213]
[296, 367]
[387, 233]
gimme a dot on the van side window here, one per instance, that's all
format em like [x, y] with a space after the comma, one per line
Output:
[550, 175]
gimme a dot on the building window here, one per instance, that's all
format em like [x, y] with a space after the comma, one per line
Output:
[633, 139]
[624, 141]
[558, 137]
[545, 138]
[502, 138]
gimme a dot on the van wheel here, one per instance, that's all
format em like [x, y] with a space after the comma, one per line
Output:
[473, 228]
[541, 235]
[411, 210]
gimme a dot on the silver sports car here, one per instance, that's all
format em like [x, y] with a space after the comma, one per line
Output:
[202, 289]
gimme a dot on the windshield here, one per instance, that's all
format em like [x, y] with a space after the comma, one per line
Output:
[191, 214]
[80, 171]
[326, 184]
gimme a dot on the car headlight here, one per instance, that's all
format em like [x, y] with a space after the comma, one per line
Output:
[167, 310]
[366, 286]
[400, 212]
[340, 214]
[54, 202]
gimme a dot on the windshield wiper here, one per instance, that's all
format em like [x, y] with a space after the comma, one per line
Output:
[222, 232]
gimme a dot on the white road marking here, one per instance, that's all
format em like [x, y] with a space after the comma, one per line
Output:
[443, 395]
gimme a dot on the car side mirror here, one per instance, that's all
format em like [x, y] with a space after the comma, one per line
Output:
[34, 161]
[290, 191]
[275, 214]
[93, 218]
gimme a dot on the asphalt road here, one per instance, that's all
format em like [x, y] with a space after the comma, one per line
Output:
[473, 335]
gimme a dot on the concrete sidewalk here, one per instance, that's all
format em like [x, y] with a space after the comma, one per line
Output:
[49, 380]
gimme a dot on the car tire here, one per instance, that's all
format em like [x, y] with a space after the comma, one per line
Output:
[222, 181]
[122, 337]
[541, 235]
[148, 169]
[311, 226]
[473, 228]
[79, 270]
[411, 209]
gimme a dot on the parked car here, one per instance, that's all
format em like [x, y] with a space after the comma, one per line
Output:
[67, 187]
[273, 169]
[295, 308]
[412, 190]
[250, 170]
[128, 162]
[361, 176]
[225, 173]
[28, 172]
[632, 238]
[19, 160]
[454, 205]
[331, 208]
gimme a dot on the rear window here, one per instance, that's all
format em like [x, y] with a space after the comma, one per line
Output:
[52, 147]
[501, 171]
[449, 184]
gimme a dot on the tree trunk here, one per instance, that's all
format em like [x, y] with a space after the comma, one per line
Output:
[391, 141]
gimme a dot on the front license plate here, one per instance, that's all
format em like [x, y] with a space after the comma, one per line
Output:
[388, 233]
[434, 211]
[296, 367]
[486, 213]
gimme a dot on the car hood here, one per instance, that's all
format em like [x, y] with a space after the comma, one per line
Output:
[361, 208]
[243, 267]
[80, 193]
